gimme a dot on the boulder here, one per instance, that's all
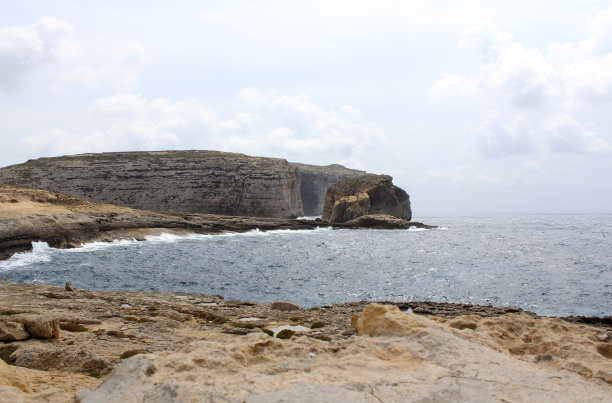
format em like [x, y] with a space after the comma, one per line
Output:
[39, 326]
[12, 331]
[388, 320]
[349, 199]
[50, 357]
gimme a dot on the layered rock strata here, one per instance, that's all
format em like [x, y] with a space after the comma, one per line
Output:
[349, 199]
[207, 182]
[63, 221]
[315, 182]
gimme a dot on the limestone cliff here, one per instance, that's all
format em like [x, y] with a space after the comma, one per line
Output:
[315, 182]
[210, 182]
[367, 195]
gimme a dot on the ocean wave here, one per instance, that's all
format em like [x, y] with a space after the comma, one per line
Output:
[166, 237]
[40, 253]
[94, 246]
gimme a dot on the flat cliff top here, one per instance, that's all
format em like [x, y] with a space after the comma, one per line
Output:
[358, 185]
[136, 155]
[336, 169]
[196, 343]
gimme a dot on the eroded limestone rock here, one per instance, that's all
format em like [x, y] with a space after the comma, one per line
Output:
[38, 326]
[12, 331]
[349, 199]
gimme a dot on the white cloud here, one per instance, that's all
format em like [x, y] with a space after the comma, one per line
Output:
[500, 135]
[531, 100]
[50, 42]
[293, 127]
[570, 136]
[25, 48]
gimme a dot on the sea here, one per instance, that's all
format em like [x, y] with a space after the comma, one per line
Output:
[554, 265]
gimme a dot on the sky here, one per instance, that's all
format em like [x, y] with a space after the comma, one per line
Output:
[472, 106]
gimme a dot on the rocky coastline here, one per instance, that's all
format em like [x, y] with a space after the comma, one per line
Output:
[63, 344]
[63, 221]
[129, 346]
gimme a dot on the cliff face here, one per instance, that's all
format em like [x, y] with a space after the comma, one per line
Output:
[315, 182]
[187, 181]
[369, 195]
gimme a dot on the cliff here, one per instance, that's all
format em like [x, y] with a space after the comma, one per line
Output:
[372, 195]
[208, 182]
[63, 221]
[315, 182]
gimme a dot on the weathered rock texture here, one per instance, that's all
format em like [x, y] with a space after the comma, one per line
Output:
[209, 182]
[368, 195]
[315, 182]
[199, 347]
[30, 215]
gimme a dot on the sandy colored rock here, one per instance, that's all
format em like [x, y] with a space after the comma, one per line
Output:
[19, 384]
[448, 355]
[550, 341]
[12, 331]
[38, 326]
[284, 306]
[45, 358]
[431, 364]
[388, 320]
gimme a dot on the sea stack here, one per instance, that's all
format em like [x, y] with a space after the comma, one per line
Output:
[368, 195]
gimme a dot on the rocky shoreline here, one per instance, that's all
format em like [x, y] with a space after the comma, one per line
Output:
[63, 221]
[100, 330]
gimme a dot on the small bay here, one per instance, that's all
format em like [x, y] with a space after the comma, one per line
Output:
[550, 264]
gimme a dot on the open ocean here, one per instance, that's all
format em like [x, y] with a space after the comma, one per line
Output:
[550, 264]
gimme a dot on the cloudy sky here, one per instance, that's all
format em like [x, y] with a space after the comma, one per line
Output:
[472, 106]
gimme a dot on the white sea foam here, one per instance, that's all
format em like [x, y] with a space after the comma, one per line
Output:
[94, 246]
[309, 217]
[171, 238]
[40, 253]
[258, 232]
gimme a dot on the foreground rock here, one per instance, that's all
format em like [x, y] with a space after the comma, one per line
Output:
[178, 346]
[408, 358]
[205, 182]
[29, 215]
[349, 199]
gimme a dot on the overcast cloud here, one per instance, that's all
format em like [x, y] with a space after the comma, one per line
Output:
[472, 106]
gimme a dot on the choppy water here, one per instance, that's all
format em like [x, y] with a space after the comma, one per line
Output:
[550, 264]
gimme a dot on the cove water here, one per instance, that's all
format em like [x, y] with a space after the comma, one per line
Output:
[550, 264]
